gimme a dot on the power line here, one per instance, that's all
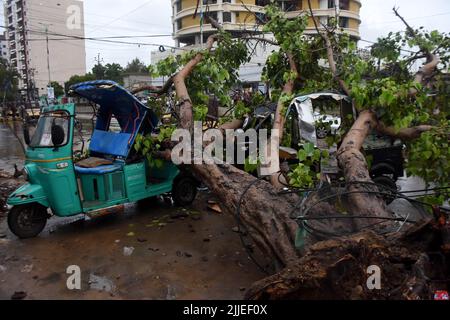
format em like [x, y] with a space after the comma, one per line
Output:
[73, 37]
[62, 21]
[127, 14]
[110, 37]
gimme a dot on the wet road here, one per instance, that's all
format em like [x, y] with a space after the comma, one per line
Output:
[194, 255]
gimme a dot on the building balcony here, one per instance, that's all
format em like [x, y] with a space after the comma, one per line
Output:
[228, 7]
[207, 28]
[326, 13]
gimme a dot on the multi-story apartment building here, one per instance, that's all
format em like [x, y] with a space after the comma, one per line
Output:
[29, 23]
[246, 15]
[4, 54]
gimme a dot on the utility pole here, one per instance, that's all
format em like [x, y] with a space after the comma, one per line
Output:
[48, 52]
[25, 54]
[201, 23]
[98, 59]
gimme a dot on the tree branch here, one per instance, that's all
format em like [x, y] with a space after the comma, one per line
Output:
[269, 41]
[159, 91]
[330, 53]
[405, 134]
[432, 60]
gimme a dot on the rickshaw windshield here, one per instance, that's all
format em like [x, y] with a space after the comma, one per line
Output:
[42, 137]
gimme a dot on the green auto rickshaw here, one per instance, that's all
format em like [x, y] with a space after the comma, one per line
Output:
[113, 173]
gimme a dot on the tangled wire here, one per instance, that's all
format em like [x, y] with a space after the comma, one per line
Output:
[336, 191]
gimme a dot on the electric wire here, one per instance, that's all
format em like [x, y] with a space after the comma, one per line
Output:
[302, 219]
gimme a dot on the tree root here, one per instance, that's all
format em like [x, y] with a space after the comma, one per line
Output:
[337, 269]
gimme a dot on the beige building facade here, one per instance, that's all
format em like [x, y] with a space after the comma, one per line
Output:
[246, 15]
[30, 23]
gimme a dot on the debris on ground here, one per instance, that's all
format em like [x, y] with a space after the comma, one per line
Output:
[179, 214]
[128, 251]
[215, 207]
[101, 283]
[171, 295]
[19, 295]
[7, 185]
[27, 268]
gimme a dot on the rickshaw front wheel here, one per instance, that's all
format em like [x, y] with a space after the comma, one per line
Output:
[28, 220]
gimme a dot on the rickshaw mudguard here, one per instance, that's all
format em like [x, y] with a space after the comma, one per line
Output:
[28, 193]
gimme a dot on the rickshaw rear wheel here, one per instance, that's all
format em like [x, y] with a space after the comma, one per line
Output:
[184, 191]
[27, 221]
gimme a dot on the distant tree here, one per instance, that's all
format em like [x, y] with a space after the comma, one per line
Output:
[114, 72]
[136, 66]
[59, 89]
[8, 81]
[77, 79]
[99, 71]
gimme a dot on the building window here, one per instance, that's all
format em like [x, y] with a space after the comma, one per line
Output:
[226, 1]
[179, 5]
[226, 16]
[344, 4]
[262, 2]
[343, 22]
[289, 5]
[179, 24]
[331, 4]
[213, 15]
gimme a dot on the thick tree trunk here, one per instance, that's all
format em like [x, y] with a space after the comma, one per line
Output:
[264, 213]
[354, 166]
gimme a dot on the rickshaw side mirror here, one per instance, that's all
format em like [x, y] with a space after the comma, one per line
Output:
[58, 135]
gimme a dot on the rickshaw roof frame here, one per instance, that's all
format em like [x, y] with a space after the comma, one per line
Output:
[113, 99]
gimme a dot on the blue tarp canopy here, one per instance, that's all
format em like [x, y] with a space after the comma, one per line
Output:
[114, 100]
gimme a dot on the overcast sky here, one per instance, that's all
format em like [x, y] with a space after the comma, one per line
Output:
[153, 17]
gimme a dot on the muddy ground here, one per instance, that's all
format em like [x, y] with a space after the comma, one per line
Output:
[175, 254]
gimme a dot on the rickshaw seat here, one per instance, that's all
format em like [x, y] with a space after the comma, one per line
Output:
[104, 144]
[110, 143]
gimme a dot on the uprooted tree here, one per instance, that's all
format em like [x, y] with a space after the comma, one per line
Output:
[390, 99]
